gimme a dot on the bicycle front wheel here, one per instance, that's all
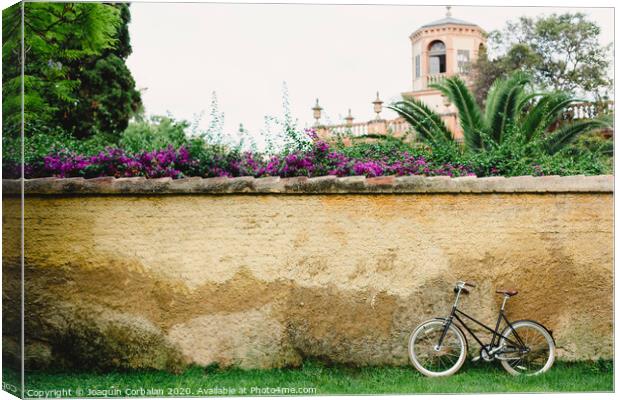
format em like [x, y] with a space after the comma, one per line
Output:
[432, 360]
[536, 355]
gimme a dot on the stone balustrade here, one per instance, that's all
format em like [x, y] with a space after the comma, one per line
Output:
[399, 126]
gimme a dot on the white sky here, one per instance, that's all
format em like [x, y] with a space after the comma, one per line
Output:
[342, 54]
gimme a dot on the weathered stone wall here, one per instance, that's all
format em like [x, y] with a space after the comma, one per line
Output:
[159, 273]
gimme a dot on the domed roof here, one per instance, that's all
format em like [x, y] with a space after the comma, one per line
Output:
[448, 21]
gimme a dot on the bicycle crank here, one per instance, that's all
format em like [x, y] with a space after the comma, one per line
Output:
[486, 353]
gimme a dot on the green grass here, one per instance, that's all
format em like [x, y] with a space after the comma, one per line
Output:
[327, 379]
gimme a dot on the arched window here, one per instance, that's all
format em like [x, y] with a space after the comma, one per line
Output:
[437, 57]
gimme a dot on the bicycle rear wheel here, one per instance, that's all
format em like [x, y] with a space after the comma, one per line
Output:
[430, 360]
[538, 355]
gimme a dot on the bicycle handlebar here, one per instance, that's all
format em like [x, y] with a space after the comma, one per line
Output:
[462, 284]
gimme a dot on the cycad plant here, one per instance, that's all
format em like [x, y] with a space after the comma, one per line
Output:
[509, 107]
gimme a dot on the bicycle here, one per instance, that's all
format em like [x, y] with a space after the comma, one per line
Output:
[438, 347]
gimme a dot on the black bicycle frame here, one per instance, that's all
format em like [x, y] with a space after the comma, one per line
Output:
[496, 334]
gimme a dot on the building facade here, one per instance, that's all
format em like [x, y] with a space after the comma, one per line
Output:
[440, 49]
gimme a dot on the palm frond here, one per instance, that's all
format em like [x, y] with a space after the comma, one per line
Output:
[508, 94]
[569, 132]
[491, 101]
[544, 112]
[522, 104]
[469, 112]
[428, 124]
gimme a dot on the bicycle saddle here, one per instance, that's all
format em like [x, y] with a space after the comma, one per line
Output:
[507, 292]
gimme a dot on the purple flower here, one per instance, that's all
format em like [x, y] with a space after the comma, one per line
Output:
[368, 168]
[319, 160]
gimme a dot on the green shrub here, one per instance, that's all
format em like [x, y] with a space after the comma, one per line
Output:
[41, 144]
[516, 156]
[154, 133]
[388, 147]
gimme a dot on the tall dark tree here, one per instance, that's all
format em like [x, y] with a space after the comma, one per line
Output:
[75, 78]
[57, 36]
[11, 71]
[107, 95]
[485, 71]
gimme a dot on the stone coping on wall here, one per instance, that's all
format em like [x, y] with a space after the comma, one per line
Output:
[305, 185]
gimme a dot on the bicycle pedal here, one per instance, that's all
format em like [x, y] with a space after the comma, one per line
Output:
[521, 367]
[475, 359]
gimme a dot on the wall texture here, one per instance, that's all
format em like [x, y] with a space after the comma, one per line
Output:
[127, 273]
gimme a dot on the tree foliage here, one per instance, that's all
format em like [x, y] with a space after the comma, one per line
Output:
[107, 94]
[560, 52]
[75, 79]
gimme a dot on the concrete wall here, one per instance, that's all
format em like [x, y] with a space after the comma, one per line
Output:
[264, 272]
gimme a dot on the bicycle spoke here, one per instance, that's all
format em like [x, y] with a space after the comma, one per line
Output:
[538, 350]
[431, 359]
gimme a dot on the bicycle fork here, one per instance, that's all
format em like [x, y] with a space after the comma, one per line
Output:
[448, 320]
[447, 324]
[443, 334]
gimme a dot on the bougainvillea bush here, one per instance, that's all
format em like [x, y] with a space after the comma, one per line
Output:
[60, 156]
[319, 160]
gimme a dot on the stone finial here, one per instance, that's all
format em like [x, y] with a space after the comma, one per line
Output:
[378, 106]
[349, 118]
[448, 12]
[317, 112]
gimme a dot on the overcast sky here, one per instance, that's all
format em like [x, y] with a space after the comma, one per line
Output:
[182, 52]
